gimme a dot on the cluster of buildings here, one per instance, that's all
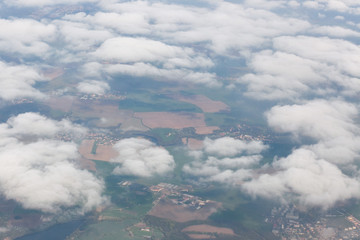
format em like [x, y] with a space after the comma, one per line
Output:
[287, 224]
[102, 138]
[178, 195]
[108, 96]
[245, 132]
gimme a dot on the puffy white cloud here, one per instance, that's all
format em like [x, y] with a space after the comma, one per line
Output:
[347, 6]
[225, 28]
[130, 50]
[333, 119]
[306, 179]
[35, 125]
[229, 147]
[161, 74]
[333, 129]
[336, 31]
[39, 3]
[226, 160]
[92, 86]
[314, 174]
[81, 37]
[26, 37]
[145, 57]
[140, 157]
[342, 54]
[304, 66]
[41, 173]
[125, 23]
[18, 81]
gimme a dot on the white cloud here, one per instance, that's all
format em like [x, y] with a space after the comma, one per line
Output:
[304, 66]
[225, 28]
[140, 157]
[130, 50]
[92, 86]
[342, 54]
[226, 160]
[304, 178]
[18, 81]
[160, 74]
[336, 134]
[26, 37]
[39, 3]
[336, 31]
[333, 119]
[125, 23]
[41, 173]
[229, 147]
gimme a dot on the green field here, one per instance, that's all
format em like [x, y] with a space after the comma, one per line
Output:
[148, 102]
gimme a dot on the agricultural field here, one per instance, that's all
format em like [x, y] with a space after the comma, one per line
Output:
[203, 102]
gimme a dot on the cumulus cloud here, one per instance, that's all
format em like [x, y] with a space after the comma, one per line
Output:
[229, 147]
[224, 27]
[334, 131]
[18, 81]
[306, 179]
[26, 37]
[37, 3]
[314, 174]
[92, 86]
[145, 57]
[226, 160]
[304, 66]
[140, 157]
[40, 172]
[344, 6]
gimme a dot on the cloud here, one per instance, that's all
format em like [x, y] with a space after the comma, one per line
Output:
[40, 172]
[130, 50]
[18, 81]
[302, 67]
[226, 160]
[229, 147]
[335, 133]
[145, 57]
[304, 178]
[125, 23]
[26, 37]
[39, 3]
[142, 158]
[224, 27]
[92, 86]
[344, 6]
[342, 54]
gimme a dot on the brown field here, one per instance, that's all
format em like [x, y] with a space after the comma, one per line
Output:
[206, 130]
[194, 144]
[203, 228]
[171, 120]
[61, 103]
[103, 114]
[200, 236]
[103, 152]
[107, 115]
[167, 209]
[87, 164]
[205, 103]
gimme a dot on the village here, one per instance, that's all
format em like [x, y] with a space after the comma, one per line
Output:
[288, 223]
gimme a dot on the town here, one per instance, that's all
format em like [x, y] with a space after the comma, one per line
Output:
[289, 223]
